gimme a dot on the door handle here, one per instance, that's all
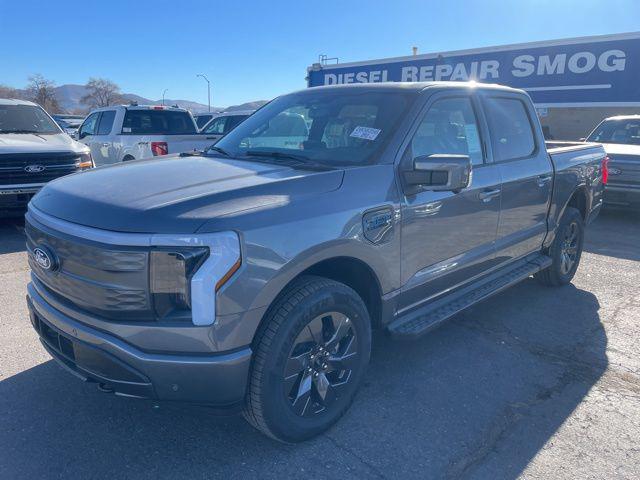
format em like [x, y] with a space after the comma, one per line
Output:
[487, 195]
[542, 180]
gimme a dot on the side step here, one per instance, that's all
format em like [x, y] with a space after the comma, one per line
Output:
[420, 321]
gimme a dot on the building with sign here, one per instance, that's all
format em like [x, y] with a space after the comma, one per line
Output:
[574, 83]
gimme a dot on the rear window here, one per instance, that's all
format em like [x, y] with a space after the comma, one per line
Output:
[510, 128]
[157, 122]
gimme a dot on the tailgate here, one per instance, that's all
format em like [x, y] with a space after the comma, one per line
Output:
[186, 143]
[624, 170]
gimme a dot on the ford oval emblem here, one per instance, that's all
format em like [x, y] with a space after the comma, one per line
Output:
[34, 168]
[44, 258]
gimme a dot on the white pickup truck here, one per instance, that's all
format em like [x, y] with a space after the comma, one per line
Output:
[122, 133]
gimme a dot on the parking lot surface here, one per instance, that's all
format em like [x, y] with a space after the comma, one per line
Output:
[533, 383]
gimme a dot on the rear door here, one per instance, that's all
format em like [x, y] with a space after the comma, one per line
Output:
[448, 237]
[526, 171]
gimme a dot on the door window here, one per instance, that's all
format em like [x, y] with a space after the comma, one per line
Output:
[233, 121]
[449, 127]
[216, 127]
[106, 122]
[89, 125]
[510, 128]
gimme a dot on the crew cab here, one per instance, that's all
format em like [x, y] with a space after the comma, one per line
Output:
[620, 137]
[123, 133]
[250, 277]
[33, 151]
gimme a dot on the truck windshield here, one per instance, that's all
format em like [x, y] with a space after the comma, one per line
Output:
[617, 131]
[334, 128]
[158, 122]
[26, 119]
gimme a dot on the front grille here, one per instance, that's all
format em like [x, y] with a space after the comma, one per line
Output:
[13, 167]
[101, 279]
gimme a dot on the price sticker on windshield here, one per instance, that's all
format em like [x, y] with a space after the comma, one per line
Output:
[365, 133]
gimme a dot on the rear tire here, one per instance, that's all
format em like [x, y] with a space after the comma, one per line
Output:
[128, 158]
[310, 356]
[565, 251]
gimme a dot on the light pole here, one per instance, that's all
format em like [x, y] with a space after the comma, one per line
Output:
[163, 92]
[208, 90]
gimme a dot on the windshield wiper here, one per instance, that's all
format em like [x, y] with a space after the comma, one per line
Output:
[218, 149]
[299, 159]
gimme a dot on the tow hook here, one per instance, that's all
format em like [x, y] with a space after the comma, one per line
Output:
[105, 387]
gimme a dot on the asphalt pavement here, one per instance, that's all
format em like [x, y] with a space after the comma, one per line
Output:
[533, 383]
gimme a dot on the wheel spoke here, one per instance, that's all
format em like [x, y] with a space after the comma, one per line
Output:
[345, 361]
[326, 392]
[297, 364]
[315, 330]
[342, 326]
[303, 396]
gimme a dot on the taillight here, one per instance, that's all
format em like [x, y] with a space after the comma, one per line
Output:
[159, 148]
[605, 170]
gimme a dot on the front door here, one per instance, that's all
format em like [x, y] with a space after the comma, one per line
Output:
[448, 237]
[527, 175]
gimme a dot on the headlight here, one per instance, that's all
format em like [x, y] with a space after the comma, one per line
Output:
[85, 161]
[187, 272]
[171, 272]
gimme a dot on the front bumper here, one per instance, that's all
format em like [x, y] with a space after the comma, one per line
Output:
[210, 379]
[14, 199]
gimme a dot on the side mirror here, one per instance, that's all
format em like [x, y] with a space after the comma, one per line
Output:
[583, 139]
[440, 172]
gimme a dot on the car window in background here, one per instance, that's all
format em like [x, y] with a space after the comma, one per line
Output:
[216, 126]
[510, 127]
[233, 121]
[330, 127]
[201, 120]
[106, 122]
[157, 122]
[26, 119]
[617, 131]
[449, 127]
[89, 125]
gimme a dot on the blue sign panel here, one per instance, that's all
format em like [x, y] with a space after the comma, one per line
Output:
[576, 72]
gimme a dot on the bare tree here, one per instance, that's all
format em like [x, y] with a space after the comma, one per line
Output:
[8, 92]
[101, 93]
[43, 92]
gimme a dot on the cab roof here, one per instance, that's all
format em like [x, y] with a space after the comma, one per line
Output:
[412, 86]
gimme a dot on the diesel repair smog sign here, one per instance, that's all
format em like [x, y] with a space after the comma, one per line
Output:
[602, 70]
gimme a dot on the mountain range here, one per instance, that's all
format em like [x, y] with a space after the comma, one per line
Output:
[69, 97]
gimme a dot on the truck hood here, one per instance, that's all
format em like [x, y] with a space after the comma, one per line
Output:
[31, 143]
[174, 194]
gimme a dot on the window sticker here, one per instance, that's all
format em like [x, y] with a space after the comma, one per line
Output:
[126, 129]
[473, 141]
[366, 133]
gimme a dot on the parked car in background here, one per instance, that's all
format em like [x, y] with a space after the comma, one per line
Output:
[69, 123]
[33, 151]
[122, 133]
[203, 118]
[620, 137]
[251, 277]
[224, 122]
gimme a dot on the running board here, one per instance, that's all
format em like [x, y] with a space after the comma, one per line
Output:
[419, 322]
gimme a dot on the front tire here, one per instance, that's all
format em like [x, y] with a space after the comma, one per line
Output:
[565, 251]
[310, 358]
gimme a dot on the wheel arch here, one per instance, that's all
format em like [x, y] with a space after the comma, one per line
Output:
[351, 271]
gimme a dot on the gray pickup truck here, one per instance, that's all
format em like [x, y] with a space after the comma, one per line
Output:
[250, 278]
[620, 137]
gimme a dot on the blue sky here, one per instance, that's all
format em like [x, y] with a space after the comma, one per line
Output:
[258, 49]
